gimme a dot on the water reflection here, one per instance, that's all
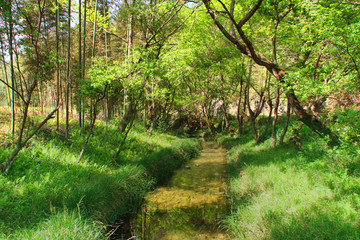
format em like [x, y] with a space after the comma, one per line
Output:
[190, 205]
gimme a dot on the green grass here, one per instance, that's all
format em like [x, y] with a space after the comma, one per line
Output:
[47, 178]
[278, 193]
[60, 226]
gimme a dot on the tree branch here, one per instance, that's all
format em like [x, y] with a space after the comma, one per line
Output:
[16, 91]
[347, 2]
[249, 14]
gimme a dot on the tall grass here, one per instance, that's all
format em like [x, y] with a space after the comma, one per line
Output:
[60, 226]
[162, 164]
[46, 179]
[278, 193]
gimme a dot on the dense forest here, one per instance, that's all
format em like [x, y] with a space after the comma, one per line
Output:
[101, 101]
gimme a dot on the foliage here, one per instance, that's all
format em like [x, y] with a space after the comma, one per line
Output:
[347, 123]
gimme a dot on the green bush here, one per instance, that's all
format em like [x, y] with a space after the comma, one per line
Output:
[346, 122]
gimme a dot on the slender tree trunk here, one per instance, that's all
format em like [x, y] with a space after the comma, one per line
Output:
[276, 115]
[94, 30]
[129, 48]
[83, 69]
[79, 107]
[125, 136]
[262, 137]
[241, 109]
[223, 105]
[288, 110]
[5, 72]
[125, 118]
[109, 102]
[68, 74]
[12, 74]
[92, 124]
[22, 80]
[57, 64]
[205, 111]
[277, 100]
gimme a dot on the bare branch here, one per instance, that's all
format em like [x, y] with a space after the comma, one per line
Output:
[348, 2]
[172, 14]
[174, 31]
[115, 35]
[16, 91]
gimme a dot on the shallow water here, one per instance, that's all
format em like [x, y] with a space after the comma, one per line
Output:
[190, 205]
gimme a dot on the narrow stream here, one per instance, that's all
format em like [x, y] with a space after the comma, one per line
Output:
[190, 205]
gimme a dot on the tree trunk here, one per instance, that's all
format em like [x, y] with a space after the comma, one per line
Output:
[125, 136]
[79, 100]
[92, 124]
[12, 74]
[223, 105]
[288, 109]
[276, 115]
[68, 76]
[125, 119]
[5, 72]
[239, 116]
[94, 31]
[83, 69]
[208, 124]
[57, 64]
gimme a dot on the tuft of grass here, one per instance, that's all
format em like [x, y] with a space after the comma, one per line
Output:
[62, 225]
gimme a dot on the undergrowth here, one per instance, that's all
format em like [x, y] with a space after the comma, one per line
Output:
[48, 194]
[281, 193]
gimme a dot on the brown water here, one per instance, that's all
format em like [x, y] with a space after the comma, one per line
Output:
[190, 205]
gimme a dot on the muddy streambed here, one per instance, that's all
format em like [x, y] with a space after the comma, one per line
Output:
[190, 205]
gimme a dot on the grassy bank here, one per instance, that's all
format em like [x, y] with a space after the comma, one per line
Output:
[280, 193]
[48, 194]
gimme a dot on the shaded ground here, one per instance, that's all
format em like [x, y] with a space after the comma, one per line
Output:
[190, 205]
